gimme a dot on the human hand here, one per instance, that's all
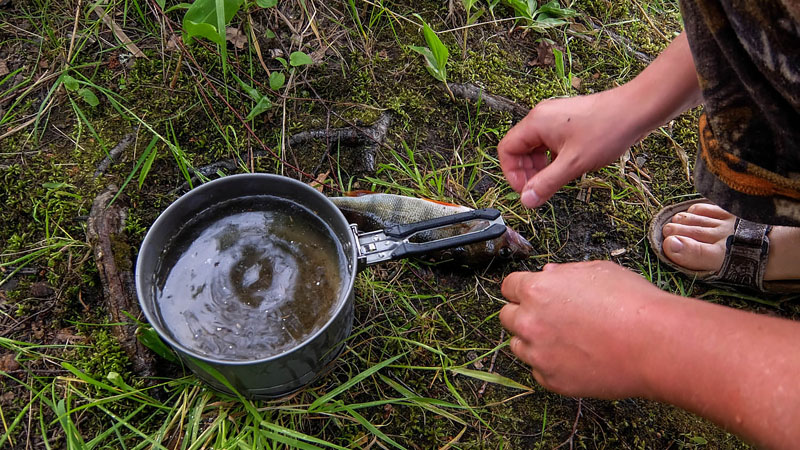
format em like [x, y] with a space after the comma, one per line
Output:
[582, 327]
[582, 133]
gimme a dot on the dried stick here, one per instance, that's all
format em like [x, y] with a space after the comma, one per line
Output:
[114, 261]
[371, 137]
[123, 144]
[118, 33]
[476, 93]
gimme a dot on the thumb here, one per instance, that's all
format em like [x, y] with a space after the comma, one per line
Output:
[548, 181]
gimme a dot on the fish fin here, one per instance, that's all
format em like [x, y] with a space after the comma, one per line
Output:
[441, 203]
[358, 193]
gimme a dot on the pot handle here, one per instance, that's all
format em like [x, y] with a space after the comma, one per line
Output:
[393, 243]
[418, 248]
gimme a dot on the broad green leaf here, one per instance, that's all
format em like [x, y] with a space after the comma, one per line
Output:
[523, 8]
[263, 104]
[251, 91]
[430, 62]
[70, 83]
[262, 101]
[282, 61]
[554, 10]
[204, 17]
[208, 31]
[491, 378]
[439, 50]
[150, 339]
[276, 80]
[270, 34]
[266, 3]
[89, 97]
[559, 62]
[300, 59]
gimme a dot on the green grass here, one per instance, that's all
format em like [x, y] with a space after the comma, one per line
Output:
[427, 365]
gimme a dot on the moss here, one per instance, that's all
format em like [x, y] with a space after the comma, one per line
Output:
[104, 355]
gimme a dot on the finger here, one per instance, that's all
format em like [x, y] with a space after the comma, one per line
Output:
[515, 344]
[514, 152]
[548, 181]
[508, 314]
[512, 285]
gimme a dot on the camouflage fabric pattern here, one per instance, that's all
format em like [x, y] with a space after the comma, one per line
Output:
[747, 55]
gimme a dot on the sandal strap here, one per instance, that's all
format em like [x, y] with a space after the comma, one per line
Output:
[746, 253]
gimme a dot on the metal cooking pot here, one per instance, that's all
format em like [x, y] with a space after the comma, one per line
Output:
[283, 373]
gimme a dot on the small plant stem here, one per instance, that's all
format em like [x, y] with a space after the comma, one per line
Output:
[177, 72]
[652, 25]
[74, 32]
[257, 47]
[447, 85]
[464, 53]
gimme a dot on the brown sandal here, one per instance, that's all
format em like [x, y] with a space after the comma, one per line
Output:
[746, 253]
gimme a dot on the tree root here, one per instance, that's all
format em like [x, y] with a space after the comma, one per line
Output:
[370, 137]
[113, 257]
[624, 42]
[476, 93]
[112, 156]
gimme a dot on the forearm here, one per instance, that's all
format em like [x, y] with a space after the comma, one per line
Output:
[738, 369]
[663, 90]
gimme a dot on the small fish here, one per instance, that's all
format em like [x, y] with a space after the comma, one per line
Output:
[372, 211]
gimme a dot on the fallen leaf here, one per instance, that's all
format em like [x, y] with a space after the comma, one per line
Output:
[3, 68]
[41, 289]
[8, 363]
[544, 55]
[578, 27]
[65, 335]
[576, 83]
[317, 182]
[235, 37]
[172, 43]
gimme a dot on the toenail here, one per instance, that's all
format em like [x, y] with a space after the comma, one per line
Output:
[675, 245]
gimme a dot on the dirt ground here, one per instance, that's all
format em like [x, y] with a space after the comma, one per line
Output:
[83, 113]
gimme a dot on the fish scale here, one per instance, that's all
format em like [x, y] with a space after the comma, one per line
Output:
[375, 211]
[390, 209]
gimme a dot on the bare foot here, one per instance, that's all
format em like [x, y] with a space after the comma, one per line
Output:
[695, 239]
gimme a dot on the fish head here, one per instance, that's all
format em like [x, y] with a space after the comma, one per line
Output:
[511, 245]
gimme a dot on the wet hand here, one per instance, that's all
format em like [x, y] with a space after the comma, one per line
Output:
[582, 327]
[580, 133]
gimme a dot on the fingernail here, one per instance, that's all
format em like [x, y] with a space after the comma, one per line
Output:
[675, 245]
[530, 199]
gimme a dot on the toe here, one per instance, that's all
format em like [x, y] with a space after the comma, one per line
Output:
[693, 255]
[706, 235]
[709, 210]
[687, 218]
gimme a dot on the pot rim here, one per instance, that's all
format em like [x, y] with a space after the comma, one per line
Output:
[345, 292]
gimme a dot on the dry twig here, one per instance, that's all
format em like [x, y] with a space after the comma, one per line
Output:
[476, 93]
[118, 33]
[114, 261]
